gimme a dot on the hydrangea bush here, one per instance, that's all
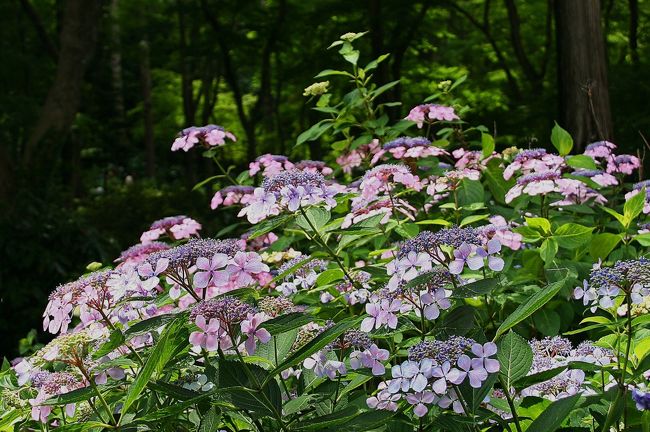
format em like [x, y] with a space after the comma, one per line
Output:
[415, 280]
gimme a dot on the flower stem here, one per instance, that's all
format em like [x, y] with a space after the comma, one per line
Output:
[336, 258]
[225, 172]
[511, 404]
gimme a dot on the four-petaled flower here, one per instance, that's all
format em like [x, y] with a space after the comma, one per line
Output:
[249, 327]
[465, 255]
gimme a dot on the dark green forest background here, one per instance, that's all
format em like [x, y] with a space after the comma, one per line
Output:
[93, 93]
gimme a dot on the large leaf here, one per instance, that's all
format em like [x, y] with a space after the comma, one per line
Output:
[553, 416]
[526, 309]
[561, 140]
[474, 397]
[286, 322]
[210, 420]
[515, 357]
[324, 421]
[572, 235]
[156, 360]
[316, 217]
[633, 207]
[498, 186]
[148, 325]
[603, 244]
[255, 393]
[474, 289]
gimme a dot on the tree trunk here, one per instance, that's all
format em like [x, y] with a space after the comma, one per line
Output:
[582, 71]
[36, 20]
[77, 42]
[145, 80]
[116, 77]
[634, 31]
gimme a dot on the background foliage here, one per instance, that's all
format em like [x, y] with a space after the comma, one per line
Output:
[95, 186]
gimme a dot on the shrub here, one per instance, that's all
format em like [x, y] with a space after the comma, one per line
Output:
[408, 283]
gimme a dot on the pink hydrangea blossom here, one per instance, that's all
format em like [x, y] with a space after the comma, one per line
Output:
[211, 337]
[429, 113]
[208, 136]
[269, 165]
[250, 328]
[243, 266]
[356, 156]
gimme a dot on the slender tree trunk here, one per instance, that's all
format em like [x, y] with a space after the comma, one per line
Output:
[116, 76]
[35, 18]
[145, 80]
[582, 71]
[77, 42]
[231, 78]
[634, 30]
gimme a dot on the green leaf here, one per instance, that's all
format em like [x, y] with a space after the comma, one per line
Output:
[474, 397]
[472, 219]
[603, 244]
[487, 144]
[316, 216]
[336, 418]
[287, 322]
[314, 132]
[367, 421]
[330, 72]
[115, 340]
[474, 289]
[471, 191]
[581, 162]
[84, 426]
[539, 377]
[540, 224]
[78, 395]
[329, 276]
[375, 93]
[373, 64]
[619, 217]
[633, 207]
[210, 420]
[407, 230]
[158, 357]
[572, 235]
[172, 410]
[561, 140]
[553, 416]
[526, 309]
[498, 186]
[148, 325]
[548, 250]
[515, 357]
[318, 343]
[643, 239]
[269, 225]
[259, 394]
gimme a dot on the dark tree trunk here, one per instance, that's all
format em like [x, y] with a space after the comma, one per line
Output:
[77, 42]
[582, 71]
[36, 20]
[116, 77]
[145, 80]
[634, 30]
[230, 75]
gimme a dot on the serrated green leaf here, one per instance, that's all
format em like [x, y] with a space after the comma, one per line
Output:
[515, 357]
[529, 307]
